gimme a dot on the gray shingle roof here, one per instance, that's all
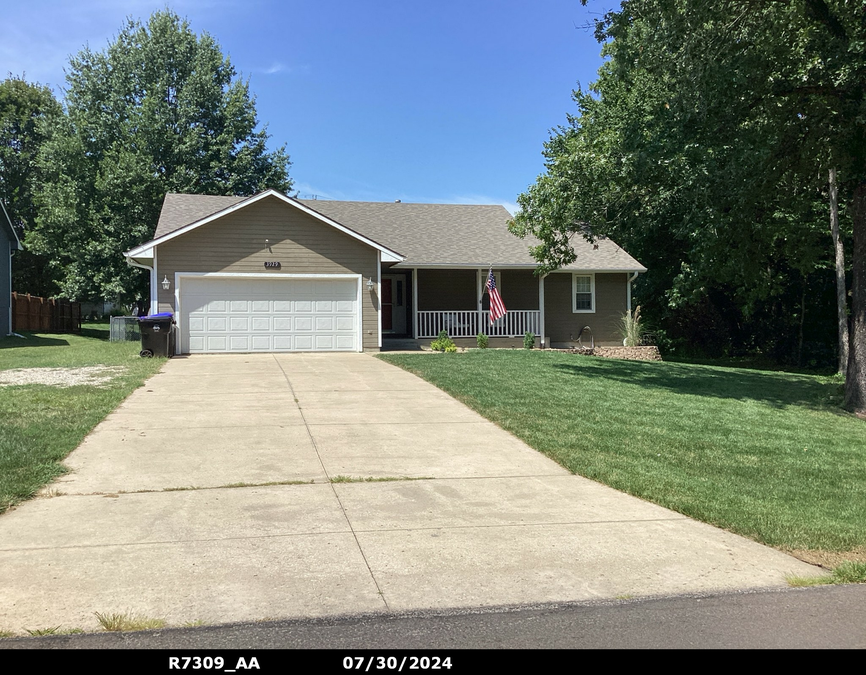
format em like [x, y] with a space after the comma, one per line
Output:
[179, 210]
[427, 234]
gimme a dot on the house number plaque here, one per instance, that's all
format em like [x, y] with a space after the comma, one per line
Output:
[275, 264]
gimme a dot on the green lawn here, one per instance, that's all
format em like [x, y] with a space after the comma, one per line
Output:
[41, 424]
[765, 454]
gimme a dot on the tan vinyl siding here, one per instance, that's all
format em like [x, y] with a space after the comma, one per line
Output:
[440, 290]
[300, 242]
[563, 325]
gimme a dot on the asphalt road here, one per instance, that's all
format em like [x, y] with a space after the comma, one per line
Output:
[812, 618]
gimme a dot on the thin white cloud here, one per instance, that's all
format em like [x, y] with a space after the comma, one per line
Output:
[308, 191]
[38, 37]
[510, 206]
[278, 67]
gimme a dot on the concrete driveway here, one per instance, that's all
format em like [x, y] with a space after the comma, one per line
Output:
[231, 488]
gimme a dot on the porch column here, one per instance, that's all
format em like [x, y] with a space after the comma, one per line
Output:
[415, 303]
[379, 294]
[479, 275]
[541, 306]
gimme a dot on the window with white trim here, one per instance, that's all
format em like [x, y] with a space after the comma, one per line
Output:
[583, 293]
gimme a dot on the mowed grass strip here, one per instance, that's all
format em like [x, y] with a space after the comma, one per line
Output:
[768, 455]
[41, 424]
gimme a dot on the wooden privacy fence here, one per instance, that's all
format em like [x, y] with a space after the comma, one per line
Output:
[46, 315]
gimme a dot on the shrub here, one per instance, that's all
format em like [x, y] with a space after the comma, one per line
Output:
[631, 329]
[481, 340]
[528, 340]
[443, 343]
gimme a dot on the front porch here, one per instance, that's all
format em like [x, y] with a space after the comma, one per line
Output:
[418, 304]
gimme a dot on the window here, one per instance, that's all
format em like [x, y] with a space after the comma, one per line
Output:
[583, 293]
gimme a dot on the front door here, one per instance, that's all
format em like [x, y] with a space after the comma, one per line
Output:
[394, 303]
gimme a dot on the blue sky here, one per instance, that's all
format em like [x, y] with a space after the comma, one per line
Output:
[375, 100]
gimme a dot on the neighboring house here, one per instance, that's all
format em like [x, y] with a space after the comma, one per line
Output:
[8, 245]
[272, 273]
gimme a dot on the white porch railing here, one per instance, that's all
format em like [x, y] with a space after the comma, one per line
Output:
[464, 323]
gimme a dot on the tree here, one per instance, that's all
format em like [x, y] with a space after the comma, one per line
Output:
[703, 148]
[27, 114]
[160, 110]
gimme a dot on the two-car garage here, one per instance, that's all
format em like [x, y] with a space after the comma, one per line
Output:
[263, 274]
[252, 313]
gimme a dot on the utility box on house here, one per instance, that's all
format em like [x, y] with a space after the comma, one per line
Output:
[157, 335]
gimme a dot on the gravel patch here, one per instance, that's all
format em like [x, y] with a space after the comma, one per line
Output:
[60, 377]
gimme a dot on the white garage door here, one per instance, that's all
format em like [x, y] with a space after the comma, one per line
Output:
[234, 314]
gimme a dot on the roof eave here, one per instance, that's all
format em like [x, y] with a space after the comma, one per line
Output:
[440, 265]
[18, 246]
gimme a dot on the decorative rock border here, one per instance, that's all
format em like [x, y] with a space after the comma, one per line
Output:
[630, 353]
[627, 353]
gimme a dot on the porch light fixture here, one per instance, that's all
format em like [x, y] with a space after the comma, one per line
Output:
[370, 284]
[165, 283]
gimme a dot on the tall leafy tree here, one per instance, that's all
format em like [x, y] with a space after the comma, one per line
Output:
[705, 147]
[160, 110]
[28, 113]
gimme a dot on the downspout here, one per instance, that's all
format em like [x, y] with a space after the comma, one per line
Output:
[14, 247]
[12, 252]
[631, 278]
[541, 306]
[130, 261]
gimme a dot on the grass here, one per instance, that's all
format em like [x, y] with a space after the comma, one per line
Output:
[117, 622]
[41, 424]
[769, 455]
[186, 488]
[372, 479]
[53, 630]
[851, 572]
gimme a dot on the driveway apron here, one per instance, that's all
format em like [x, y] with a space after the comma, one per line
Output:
[256, 486]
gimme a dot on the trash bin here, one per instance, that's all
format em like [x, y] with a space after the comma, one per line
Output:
[157, 335]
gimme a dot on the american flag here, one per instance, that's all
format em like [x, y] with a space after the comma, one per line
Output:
[497, 307]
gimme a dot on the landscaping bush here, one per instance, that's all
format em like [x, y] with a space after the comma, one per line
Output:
[481, 340]
[443, 343]
[528, 340]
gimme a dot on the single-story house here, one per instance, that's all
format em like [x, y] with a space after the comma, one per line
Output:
[9, 243]
[273, 273]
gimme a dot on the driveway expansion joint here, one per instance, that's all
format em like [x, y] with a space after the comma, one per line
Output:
[172, 542]
[336, 496]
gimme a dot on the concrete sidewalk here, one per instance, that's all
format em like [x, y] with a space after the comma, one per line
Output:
[226, 489]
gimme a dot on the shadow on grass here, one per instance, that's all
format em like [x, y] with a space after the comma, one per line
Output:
[750, 363]
[777, 389]
[31, 340]
[92, 331]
